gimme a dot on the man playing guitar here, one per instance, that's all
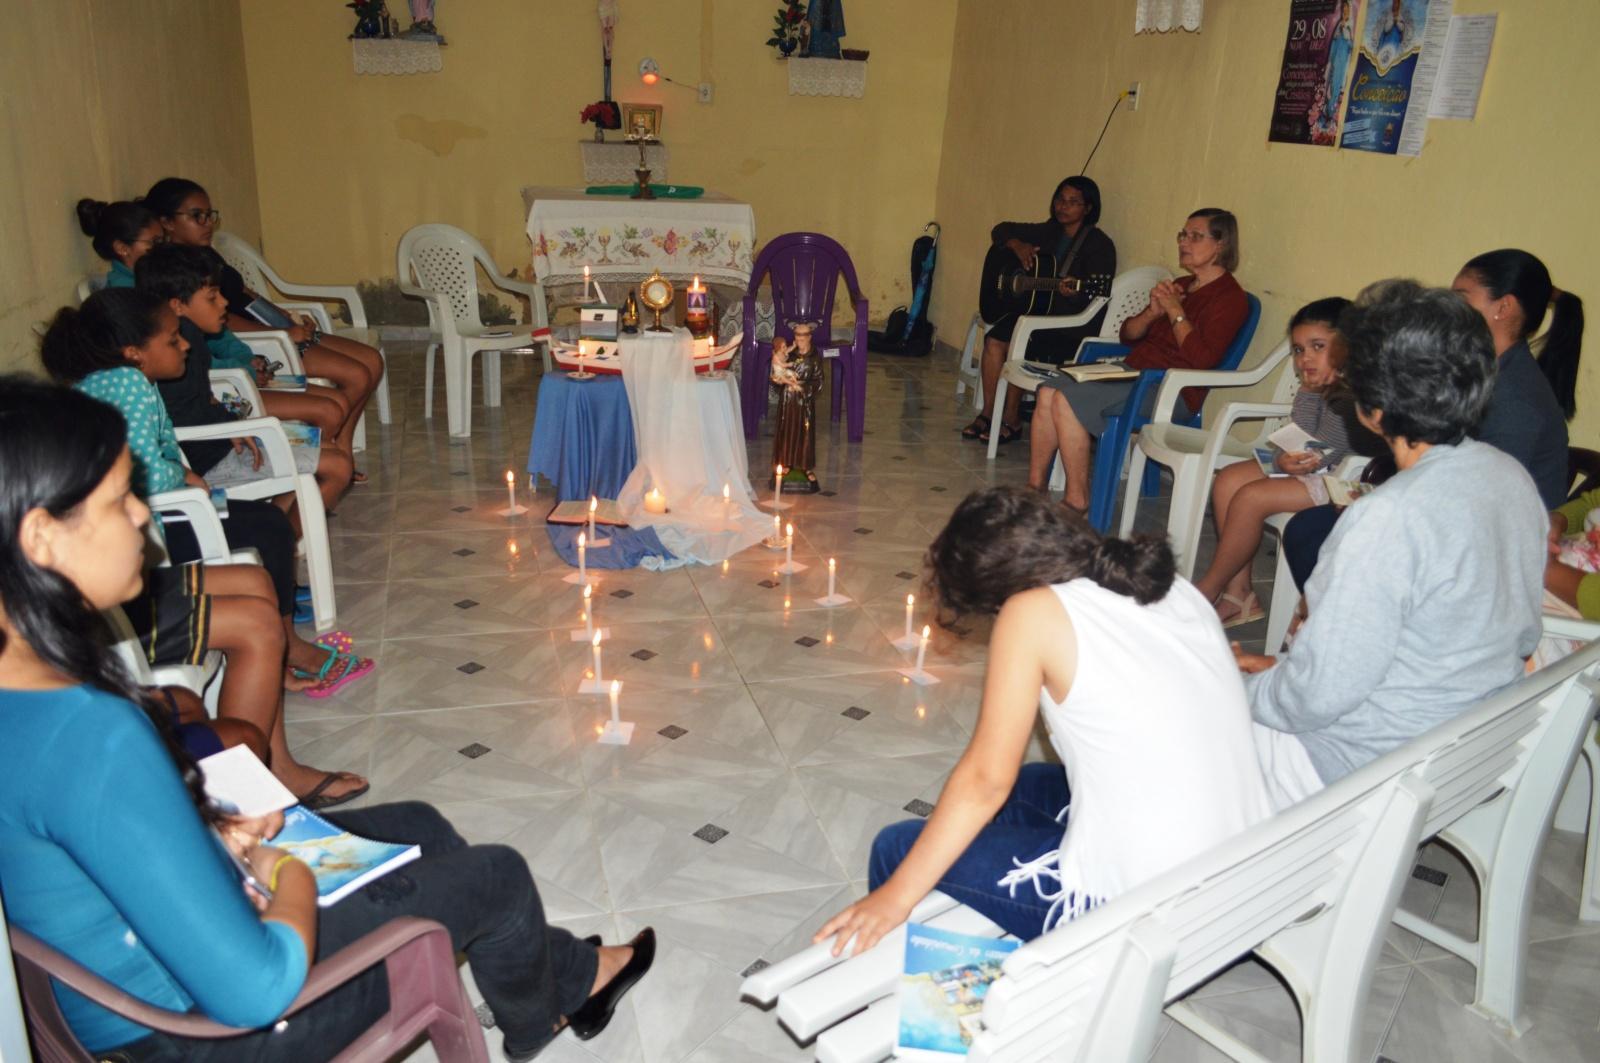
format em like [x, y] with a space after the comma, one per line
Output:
[1076, 251]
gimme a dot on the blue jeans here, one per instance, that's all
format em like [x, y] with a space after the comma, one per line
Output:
[1025, 829]
[530, 973]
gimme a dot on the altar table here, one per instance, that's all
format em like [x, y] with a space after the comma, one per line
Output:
[624, 240]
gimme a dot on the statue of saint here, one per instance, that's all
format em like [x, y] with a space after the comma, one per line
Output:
[422, 27]
[797, 370]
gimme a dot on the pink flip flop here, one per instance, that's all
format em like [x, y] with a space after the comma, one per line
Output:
[337, 670]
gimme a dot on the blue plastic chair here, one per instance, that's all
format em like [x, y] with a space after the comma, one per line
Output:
[1112, 450]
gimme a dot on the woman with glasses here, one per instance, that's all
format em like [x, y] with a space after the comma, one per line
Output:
[188, 217]
[1080, 251]
[1188, 325]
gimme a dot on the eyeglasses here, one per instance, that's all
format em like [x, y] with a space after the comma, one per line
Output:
[1187, 237]
[201, 217]
[150, 241]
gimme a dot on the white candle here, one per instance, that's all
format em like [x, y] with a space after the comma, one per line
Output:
[911, 601]
[725, 497]
[593, 503]
[777, 486]
[922, 650]
[511, 489]
[588, 610]
[583, 570]
[831, 573]
[788, 545]
[596, 645]
[777, 529]
[586, 284]
[655, 501]
[616, 688]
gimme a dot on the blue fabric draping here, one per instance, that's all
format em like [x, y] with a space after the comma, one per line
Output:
[629, 547]
[582, 437]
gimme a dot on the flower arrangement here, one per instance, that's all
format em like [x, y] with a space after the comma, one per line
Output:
[603, 113]
[790, 16]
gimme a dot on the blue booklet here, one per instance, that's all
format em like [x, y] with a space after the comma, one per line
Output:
[946, 977]
[342, 862]
[285, 382]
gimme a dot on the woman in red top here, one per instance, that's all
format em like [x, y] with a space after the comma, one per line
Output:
[1188, 325]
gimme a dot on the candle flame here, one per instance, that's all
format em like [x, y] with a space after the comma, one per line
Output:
[510, 477]
[830, 564]
[596, 642]
[593, 502]
[780, 470]
[582, 540]
[788, 529]
[588, 591]
[724, 492]
[599, 729]
[925, 631]
[616, 687]
[911, 599]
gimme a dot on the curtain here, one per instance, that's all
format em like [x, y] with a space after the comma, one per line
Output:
[1164, 16]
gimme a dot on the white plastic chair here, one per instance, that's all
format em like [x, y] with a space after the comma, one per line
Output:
[261, 278]
[438, 263]
[1195, 454]
[969, 368]
[1285, 595]
[1130, 294]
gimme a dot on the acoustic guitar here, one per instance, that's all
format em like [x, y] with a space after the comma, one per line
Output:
[1008, 288]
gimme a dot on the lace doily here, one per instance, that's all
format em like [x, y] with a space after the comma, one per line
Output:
[827, 77]
[378, 56]
[1164, 16]
[613, 163]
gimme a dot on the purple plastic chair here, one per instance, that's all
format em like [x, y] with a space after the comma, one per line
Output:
[803, 269]
[425, 997]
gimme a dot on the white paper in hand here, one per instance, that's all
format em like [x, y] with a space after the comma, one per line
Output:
[241, 785]
[1291, 438]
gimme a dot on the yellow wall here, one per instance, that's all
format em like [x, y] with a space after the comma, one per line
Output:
[1314, 221]
[100, 98]
[346, 164]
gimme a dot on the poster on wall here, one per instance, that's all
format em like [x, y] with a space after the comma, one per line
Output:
[1387, 108]
[1317, 55]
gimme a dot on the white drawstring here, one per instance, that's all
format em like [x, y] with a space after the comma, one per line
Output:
[1047, 866]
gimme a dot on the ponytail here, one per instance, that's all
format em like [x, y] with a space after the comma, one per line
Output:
[1141, 568]
[1560, 349]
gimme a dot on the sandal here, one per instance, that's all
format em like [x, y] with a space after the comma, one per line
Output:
[1009, 433]
[978, 429]
[1245, 615]
[358, 477]
[337, 639]
[338, 670]
[316, 800]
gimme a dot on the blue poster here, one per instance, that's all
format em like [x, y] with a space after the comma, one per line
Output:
[1387, 108]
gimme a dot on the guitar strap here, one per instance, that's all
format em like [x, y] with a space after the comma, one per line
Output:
[1072, 252]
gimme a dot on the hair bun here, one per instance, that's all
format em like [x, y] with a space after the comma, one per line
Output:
[89, 214]
[1142, 567]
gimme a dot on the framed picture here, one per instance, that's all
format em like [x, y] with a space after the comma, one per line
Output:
[641, 120]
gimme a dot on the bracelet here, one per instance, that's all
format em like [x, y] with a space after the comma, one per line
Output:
[272, 879]
[1180, 319]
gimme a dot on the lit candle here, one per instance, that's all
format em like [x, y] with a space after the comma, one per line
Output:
[511, 490]
[788, 546]
[595, 643]
[583, 568]
[777, 532]
[725, 499]
[616, 688]
[588, 611]
[586, 284]
[655, 501]
[696, 317]
[922, 650]
[831, 572]
[593, 503]
[777, 486]
[911, 601]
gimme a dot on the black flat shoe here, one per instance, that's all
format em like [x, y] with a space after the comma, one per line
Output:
[592, 939]
[590, 1019]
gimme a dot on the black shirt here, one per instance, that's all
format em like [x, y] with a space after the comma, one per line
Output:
[188, 400]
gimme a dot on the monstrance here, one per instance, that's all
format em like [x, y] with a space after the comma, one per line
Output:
[656, 293]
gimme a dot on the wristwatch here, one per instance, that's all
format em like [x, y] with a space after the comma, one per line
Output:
[1180, 319]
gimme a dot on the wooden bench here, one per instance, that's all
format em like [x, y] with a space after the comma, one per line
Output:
[1310, 891]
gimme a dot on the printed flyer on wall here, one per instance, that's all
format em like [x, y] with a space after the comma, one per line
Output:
[1387, 108]
[1317, 55]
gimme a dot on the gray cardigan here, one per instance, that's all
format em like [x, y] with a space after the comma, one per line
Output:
[1427, 598]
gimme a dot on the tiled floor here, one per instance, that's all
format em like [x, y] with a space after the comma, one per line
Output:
[798, 750]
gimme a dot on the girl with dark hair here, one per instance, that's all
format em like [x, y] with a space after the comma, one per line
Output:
[121, 234]
[1533, 398]
[1188, 325]
[186, 213]
[1244, 496]
[114, 348]
[1132, 675]
[1069, 233]
[1428, 593]
[104, 848]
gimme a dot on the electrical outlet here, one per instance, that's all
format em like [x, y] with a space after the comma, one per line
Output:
[705, 91]
[1134, 91]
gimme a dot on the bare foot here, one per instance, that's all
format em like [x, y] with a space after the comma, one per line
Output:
[294, 683]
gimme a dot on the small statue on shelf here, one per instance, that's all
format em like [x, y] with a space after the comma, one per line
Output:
[797, 371]
[422, 27]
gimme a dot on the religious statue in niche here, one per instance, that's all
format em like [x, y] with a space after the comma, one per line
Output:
[825, 20]
[797, 371]
[422, 27]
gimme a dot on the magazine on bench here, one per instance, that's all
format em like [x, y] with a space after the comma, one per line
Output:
[945, 979]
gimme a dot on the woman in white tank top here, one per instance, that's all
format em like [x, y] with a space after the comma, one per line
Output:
[1143, 701]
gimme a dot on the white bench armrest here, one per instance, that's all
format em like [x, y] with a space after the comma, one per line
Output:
[193, 506]
[1028, 324]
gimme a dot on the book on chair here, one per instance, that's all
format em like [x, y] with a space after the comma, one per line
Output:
[1111, 370]
[946, 976]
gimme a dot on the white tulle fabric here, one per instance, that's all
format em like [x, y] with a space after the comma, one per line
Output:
[1164, 16]
[690, 440]
[828, 77]
[613, 162]
[394, 56]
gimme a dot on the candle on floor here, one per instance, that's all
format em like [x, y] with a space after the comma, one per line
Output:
[911, 602]
[583, 568]
[593, 504]
[788, 545]
[595, 644]
[777, 487]
[922, 649]
[775, 540]
[616, 689]
[655, 501]
[832, 571]
[588, 611]
[511, 489]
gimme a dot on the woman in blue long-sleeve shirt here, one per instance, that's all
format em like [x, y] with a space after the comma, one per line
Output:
[105, 849]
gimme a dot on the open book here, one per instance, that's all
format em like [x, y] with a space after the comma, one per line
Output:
[576, 511]
[1100, 371]
[945, 979]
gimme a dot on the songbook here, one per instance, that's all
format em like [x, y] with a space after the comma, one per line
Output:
[576, 511]
[1100, 371]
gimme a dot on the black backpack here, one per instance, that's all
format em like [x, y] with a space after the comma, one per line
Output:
[908, 330]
